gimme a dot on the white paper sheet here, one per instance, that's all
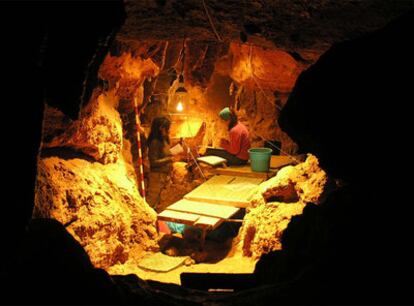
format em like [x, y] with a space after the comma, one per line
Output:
[212, 160]
[177, 149]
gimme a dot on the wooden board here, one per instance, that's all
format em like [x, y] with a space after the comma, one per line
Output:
[225, 190]
[211, 203]
[208, 222]
[245, 171]
[278, 161]
[204, 209]
[203, 221]
[179, 217]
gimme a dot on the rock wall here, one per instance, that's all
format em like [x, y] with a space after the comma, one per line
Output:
[87, 182]
[265, 222]
[255, 80]
[99, 205]
[98, 132]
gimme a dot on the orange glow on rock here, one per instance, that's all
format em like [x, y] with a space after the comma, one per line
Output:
[272, 69]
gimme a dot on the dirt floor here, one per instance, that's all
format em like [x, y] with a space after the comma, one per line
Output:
[217, 258]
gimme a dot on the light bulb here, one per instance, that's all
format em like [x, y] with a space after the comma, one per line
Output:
[180, 107]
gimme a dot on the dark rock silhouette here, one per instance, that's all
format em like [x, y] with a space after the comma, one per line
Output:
[350, 109]
[51, 49]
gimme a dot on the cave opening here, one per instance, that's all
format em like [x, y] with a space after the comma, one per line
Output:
[94, 173]
[132, 220]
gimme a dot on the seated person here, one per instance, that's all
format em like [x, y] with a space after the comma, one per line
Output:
[161, 164]
[236, 148]
[160, 159]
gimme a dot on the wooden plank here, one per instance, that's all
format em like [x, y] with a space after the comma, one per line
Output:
[225, 190]
[208, 222]
[222, 184]
[211, 187]
[239, 188]
[244, 187]
[245, 171]
[179, 217]
[219, 180]
[278, 161]
[204, 209]
[250, 180]
[218, 201]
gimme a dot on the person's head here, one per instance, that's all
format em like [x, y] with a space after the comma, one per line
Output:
[160, 129]
[229, 116]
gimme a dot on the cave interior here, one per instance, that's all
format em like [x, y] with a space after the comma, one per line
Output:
[296, 75]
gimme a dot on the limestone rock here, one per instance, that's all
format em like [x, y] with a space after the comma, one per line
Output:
[263, 227]
[286, 194]
[266, 219]
[126, 73]
[307, 177]
[99, 205]
[98, 132]
[55, 123]
[201, 59]
[271, 69]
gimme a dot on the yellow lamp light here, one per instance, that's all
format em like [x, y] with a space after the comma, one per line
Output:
[181, 92]
[180, 107]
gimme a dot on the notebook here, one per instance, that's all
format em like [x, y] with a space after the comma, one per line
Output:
[212, 160]
[177, 149]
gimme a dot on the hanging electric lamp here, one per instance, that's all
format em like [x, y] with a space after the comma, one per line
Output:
[181, 92]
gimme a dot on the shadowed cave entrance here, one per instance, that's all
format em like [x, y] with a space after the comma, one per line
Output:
[96, 191]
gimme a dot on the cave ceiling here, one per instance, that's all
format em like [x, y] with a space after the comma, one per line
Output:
[303, 28]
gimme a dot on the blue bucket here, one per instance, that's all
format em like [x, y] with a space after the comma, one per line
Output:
[260, 159]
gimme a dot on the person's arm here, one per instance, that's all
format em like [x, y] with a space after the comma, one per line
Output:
[156, 154]
[234, 145]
